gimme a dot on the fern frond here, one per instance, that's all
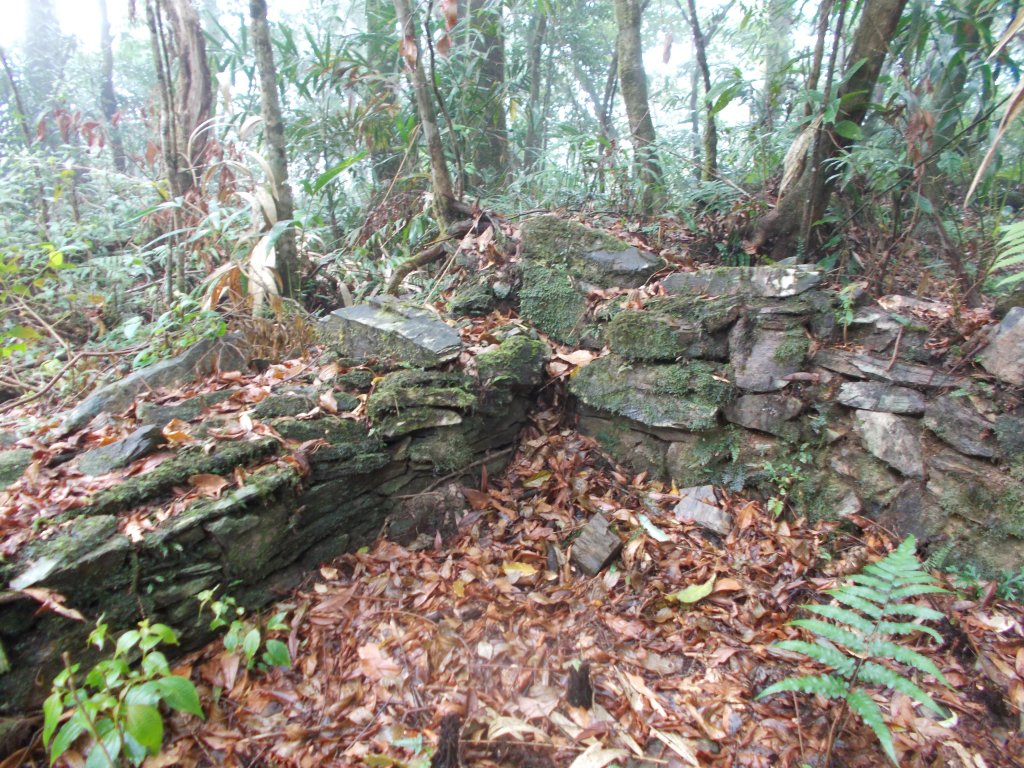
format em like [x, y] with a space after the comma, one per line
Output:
[869, 712]
[833, 632]
[856, 602]
[823, 654]
[857, 632]
[844, 616]
[870, 672]
[906, 628]
[890, 650]
[823, 685]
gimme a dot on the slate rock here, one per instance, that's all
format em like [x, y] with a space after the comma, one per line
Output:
[699, 505]
[629, 268]
[142, 442]
[387, 330]
[863, 366]
[877, 396]
[187, 410]
[765, 413]
[765, 282]
[1009, 431]
[1004, 355]
[891, 439]
[961, 427]
[762, 357]
[13, 464]
[284, 404]
[596, 546]
[201, 359]
[678, 396]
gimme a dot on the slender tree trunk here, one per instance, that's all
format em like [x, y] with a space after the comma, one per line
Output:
[445, 205]
[709, 167]
[490, 151]
[534, 114]
[777, 231]
[633, 81]
[277, 154]
[108, 97]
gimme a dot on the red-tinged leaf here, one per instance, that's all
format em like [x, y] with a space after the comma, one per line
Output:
[443, 46]
[210, 486]
[450, 10]
[408, 51]
[51, 601]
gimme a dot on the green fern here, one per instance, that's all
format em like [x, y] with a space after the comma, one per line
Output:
[1011, 251]
[857, 637]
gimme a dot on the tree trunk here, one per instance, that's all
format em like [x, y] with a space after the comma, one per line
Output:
[277, 154]
[534, 113]
[490, 150]
[778, 231]
[187, 100]
[633, 82]
[709, 166]
[108, 97]
[445, 205]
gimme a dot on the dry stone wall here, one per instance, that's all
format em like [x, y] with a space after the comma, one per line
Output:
[330, 484]
[746, 378]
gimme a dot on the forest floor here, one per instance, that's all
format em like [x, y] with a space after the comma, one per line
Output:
[387, 645]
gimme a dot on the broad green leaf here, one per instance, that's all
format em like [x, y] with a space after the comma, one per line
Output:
[65, 737]
[127, 641]
[145, 725]
[146, 693]
[53, 708]
[695, 592]
[276, 654]
[251, 644]
[849, 130]
[331, 174]
[179, 693]
[106, 753]
[154, 664]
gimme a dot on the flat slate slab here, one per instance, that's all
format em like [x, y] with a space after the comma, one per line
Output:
[890, 438]
[1004, 355]
[699, 505]
[962, 427]
[685, 396]
[876, 396]
[201, 359]
[630, 268]
[107, 458]
[883, 369]
[596, 546]
[391, 331]
[765, 413]
[763, 282]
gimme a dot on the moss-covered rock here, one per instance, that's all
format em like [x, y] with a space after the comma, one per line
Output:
[673, 327]
[474, 300]
[517, 362]
[678, 396]
[551, 302]
[280, 405]
[193, 461]
[595, 257]
[403, 390]
[356, 379]
[443, 450]
[12, 464]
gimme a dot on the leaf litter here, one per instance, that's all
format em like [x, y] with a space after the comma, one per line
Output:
[393, 645]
